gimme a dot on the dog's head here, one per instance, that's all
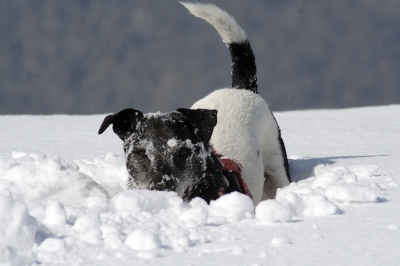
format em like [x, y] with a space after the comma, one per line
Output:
[170, 152]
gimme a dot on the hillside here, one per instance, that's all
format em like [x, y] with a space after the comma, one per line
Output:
[85, 57]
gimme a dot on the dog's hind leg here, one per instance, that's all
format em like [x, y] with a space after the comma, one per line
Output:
[270, 186]
[276, 172]
[274, 179]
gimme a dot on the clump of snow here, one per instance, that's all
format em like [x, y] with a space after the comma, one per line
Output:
[38, 177]
[197, 214]
[55, 213]
[155, 114]
[345, 193]
[87, 222]
[109, 172]
[321, 195]
[52, 244]
[331, 186]
[143, 240]
[172, 143]
[133, 202]
[17, 232]
[272, 211]
[280, 241]
[233, 207]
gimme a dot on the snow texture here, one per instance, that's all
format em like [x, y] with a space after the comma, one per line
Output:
[63, 199]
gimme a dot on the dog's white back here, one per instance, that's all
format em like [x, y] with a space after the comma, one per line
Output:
[246, 130]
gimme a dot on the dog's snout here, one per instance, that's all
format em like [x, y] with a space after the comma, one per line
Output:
[157, 176]
[160, 165]
[161, 180]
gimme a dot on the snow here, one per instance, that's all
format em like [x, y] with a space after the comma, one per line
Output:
[63, 198]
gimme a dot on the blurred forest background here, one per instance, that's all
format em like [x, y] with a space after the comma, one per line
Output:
[100, 56]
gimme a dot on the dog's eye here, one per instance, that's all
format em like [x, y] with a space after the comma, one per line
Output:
[183, 152]
[141, 154]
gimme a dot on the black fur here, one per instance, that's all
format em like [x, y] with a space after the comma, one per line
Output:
[124, 122]
[284, 154]
[233, 182]
[202, 121]
[283, 150]
[207, 188]
[170, 152]
[244, 70]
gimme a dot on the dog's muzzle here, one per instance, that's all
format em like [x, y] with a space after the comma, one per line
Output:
[161, 181]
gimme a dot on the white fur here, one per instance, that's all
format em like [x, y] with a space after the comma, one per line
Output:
[247, 132]
[226, 25]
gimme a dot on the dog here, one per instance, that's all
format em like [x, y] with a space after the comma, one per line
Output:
[188, 150]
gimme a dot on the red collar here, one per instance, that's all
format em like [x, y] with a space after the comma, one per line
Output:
[235, 168]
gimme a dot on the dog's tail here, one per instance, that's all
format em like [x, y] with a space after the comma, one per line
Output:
[243, 62]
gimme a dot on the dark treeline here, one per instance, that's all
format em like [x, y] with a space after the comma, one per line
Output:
[97, 56]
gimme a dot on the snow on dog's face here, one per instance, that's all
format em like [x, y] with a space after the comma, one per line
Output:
[169, 152]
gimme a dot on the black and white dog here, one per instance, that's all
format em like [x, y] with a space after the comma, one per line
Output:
[180, 151]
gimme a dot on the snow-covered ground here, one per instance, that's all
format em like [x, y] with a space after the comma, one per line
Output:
[62, 199]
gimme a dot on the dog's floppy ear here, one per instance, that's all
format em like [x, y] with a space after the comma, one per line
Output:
[203, 121]
[124, 122]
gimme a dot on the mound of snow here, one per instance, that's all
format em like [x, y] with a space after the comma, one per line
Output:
[321, 195]
[17, 232]
[72, 205]
[272, 211]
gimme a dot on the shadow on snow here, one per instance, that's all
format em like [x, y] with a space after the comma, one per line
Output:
[303, 168]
